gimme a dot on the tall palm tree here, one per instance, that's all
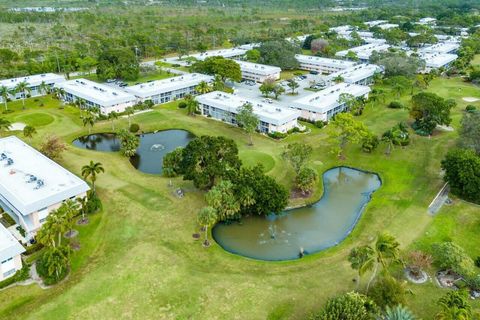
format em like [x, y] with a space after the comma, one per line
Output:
[130, 111]
[5, 94]
[387, 250]
[91, 171]
[57, 260]
[81, 104]
[46, 235]
[88, 120]
[4, 124]
[112, 116]
[43, 88]
[207, 217]
[362, 259]
[203, 87]
[71, 209]
[192, 105]
[24, 89]
[82, 204]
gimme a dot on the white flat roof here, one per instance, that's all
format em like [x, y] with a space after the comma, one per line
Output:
[320, 61]
[327, 99]
[100, 94]
[437, 60]
[441, 47]
[427, 20]
[266, 112]
[356, 73]
[387, 26]
[341, 29]
[374, 23]
[32, 181]
[364, 52]
[33, 81]
[226, 53]
[9, 246]
[258, 68]
[148, 89]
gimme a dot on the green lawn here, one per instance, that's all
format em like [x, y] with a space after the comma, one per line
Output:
[476, 60]
[138, 259]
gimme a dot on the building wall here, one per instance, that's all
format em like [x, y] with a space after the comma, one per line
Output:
[172, 95]
[259, 77]
[69, 97]
[34, 92]
[320, 68]
[10, 266]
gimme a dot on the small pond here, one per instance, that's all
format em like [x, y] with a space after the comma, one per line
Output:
[153, 147]
[313, 228]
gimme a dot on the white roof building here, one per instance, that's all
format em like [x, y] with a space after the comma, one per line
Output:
[437, 60]
[427, 20]
[31, 183]
[33, 81]
[441, 47]
[375, 23]
[324, 104]
[258, 72]
[10, 251]
[387, 26]
[273, 118]
[148, 90]
[364, 52]
[323, 65]
[341, 29]
[107, 98]
[359, 74]
[226, 53]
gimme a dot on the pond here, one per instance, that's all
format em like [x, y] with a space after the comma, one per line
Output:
[153, 147]
[309, 229]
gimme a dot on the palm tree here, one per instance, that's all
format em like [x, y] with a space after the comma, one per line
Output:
[59, 223]
[23, 88]
[386, 251]
[82, 203]
[454, 306]
[398, 312]
[203, 87]
[29, 131]
[5, 94]
[59, 93]
[112, 116]
[361, 259]
[91, 170]
[88, 120]
[207, 217]
[46, 235]
[80, 103]
[192, 105]
[70, 211]
[4, 124]
[130, 111]
[57, 260]
[43, 88]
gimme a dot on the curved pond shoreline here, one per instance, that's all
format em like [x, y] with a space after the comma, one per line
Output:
[310, 228]
[149, 155]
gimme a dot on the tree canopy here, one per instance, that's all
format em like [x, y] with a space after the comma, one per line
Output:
[429, 110]
[280, 53]
[219, 66]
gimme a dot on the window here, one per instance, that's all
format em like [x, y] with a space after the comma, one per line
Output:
[4, 261]
[9, 272]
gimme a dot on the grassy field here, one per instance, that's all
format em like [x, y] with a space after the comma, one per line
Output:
[139, 261]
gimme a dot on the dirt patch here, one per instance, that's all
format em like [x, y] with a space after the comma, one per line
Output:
[298, 194]
[71, 234]
[17, 126]
[470, 99]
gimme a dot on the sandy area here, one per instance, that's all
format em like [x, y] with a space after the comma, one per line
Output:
[17, 126]
[470, 99]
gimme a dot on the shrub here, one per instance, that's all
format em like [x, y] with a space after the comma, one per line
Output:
[20, 275]
[370, 143]
[8, 219]
[182, 104]
[387, 292]
[319, 124]
[470, 108]
[395, 105]
[94, 203]
[277, 135]
[448, 255]
[7, 111]
[477, 262]
[350, 306]
[134, 127]
[33, 248]
[42, 270]
[293, 130]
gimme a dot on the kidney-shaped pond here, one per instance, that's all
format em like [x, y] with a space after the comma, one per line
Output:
[309, 229]
[153, 147]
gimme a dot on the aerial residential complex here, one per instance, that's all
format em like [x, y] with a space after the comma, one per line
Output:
[437, 60]
[322, 65]
[360, 74]
[165, 90]
[10, 254]
[364, 52]
[32, 185]
[223, 106]
[258, 72]
[323, 105]
[441, 47]
[94, 94]
[33, 83]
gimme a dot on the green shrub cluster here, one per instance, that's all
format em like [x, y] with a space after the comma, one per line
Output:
[134, 127]
[20, 275]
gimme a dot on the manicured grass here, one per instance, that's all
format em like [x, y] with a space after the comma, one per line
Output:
[138, 259]
[289, 74]
[35, 119]
[476, 60]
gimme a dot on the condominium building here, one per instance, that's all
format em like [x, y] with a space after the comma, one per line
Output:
[32, 185]
[165, 90]
[427, 20]
[322, 65]
[231, 53]
[258, 72]
[375, 23]
[224, 106]
[437, 60]
[323, 105]
[10, 254]
[34, 84]
[387, 26]
[104, 97]
[361, 74]
[364, 52]
[441, 47]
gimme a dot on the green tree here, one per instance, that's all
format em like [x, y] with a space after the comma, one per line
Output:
[370, 142]
[454, 306]
[448, 255]
[130, 111]
[306, 179]
[112, 116]
[53, 147]
[207, 217]
[278, 90]
[247, 120]
[280, 53]
[345, 129]
[297, 154]
[219, 66]
[292, 84]
[5, 94]
[387, 251]
[206, 159]
[222, 199]
[57, 261]
[398, 312]
[192, 105]
[267, 87]
[253, 55]
[462, 172]
[349, 306]
[88, 120]
[82, 207]
[129, 142]
[430, 110]
[116, 63]
[29, 131]
[172, 162]
[362, 259]
[470, 132]
[91, 171]
[5, 124]
[24, 89]
[387, 292]
[203, 87]
[398, 63]
[43, 88]
[70, 211]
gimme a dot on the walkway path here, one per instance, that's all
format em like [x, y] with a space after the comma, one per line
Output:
[439, 200]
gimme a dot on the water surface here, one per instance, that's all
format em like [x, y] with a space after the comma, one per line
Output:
[313, 228]
[106, 142]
